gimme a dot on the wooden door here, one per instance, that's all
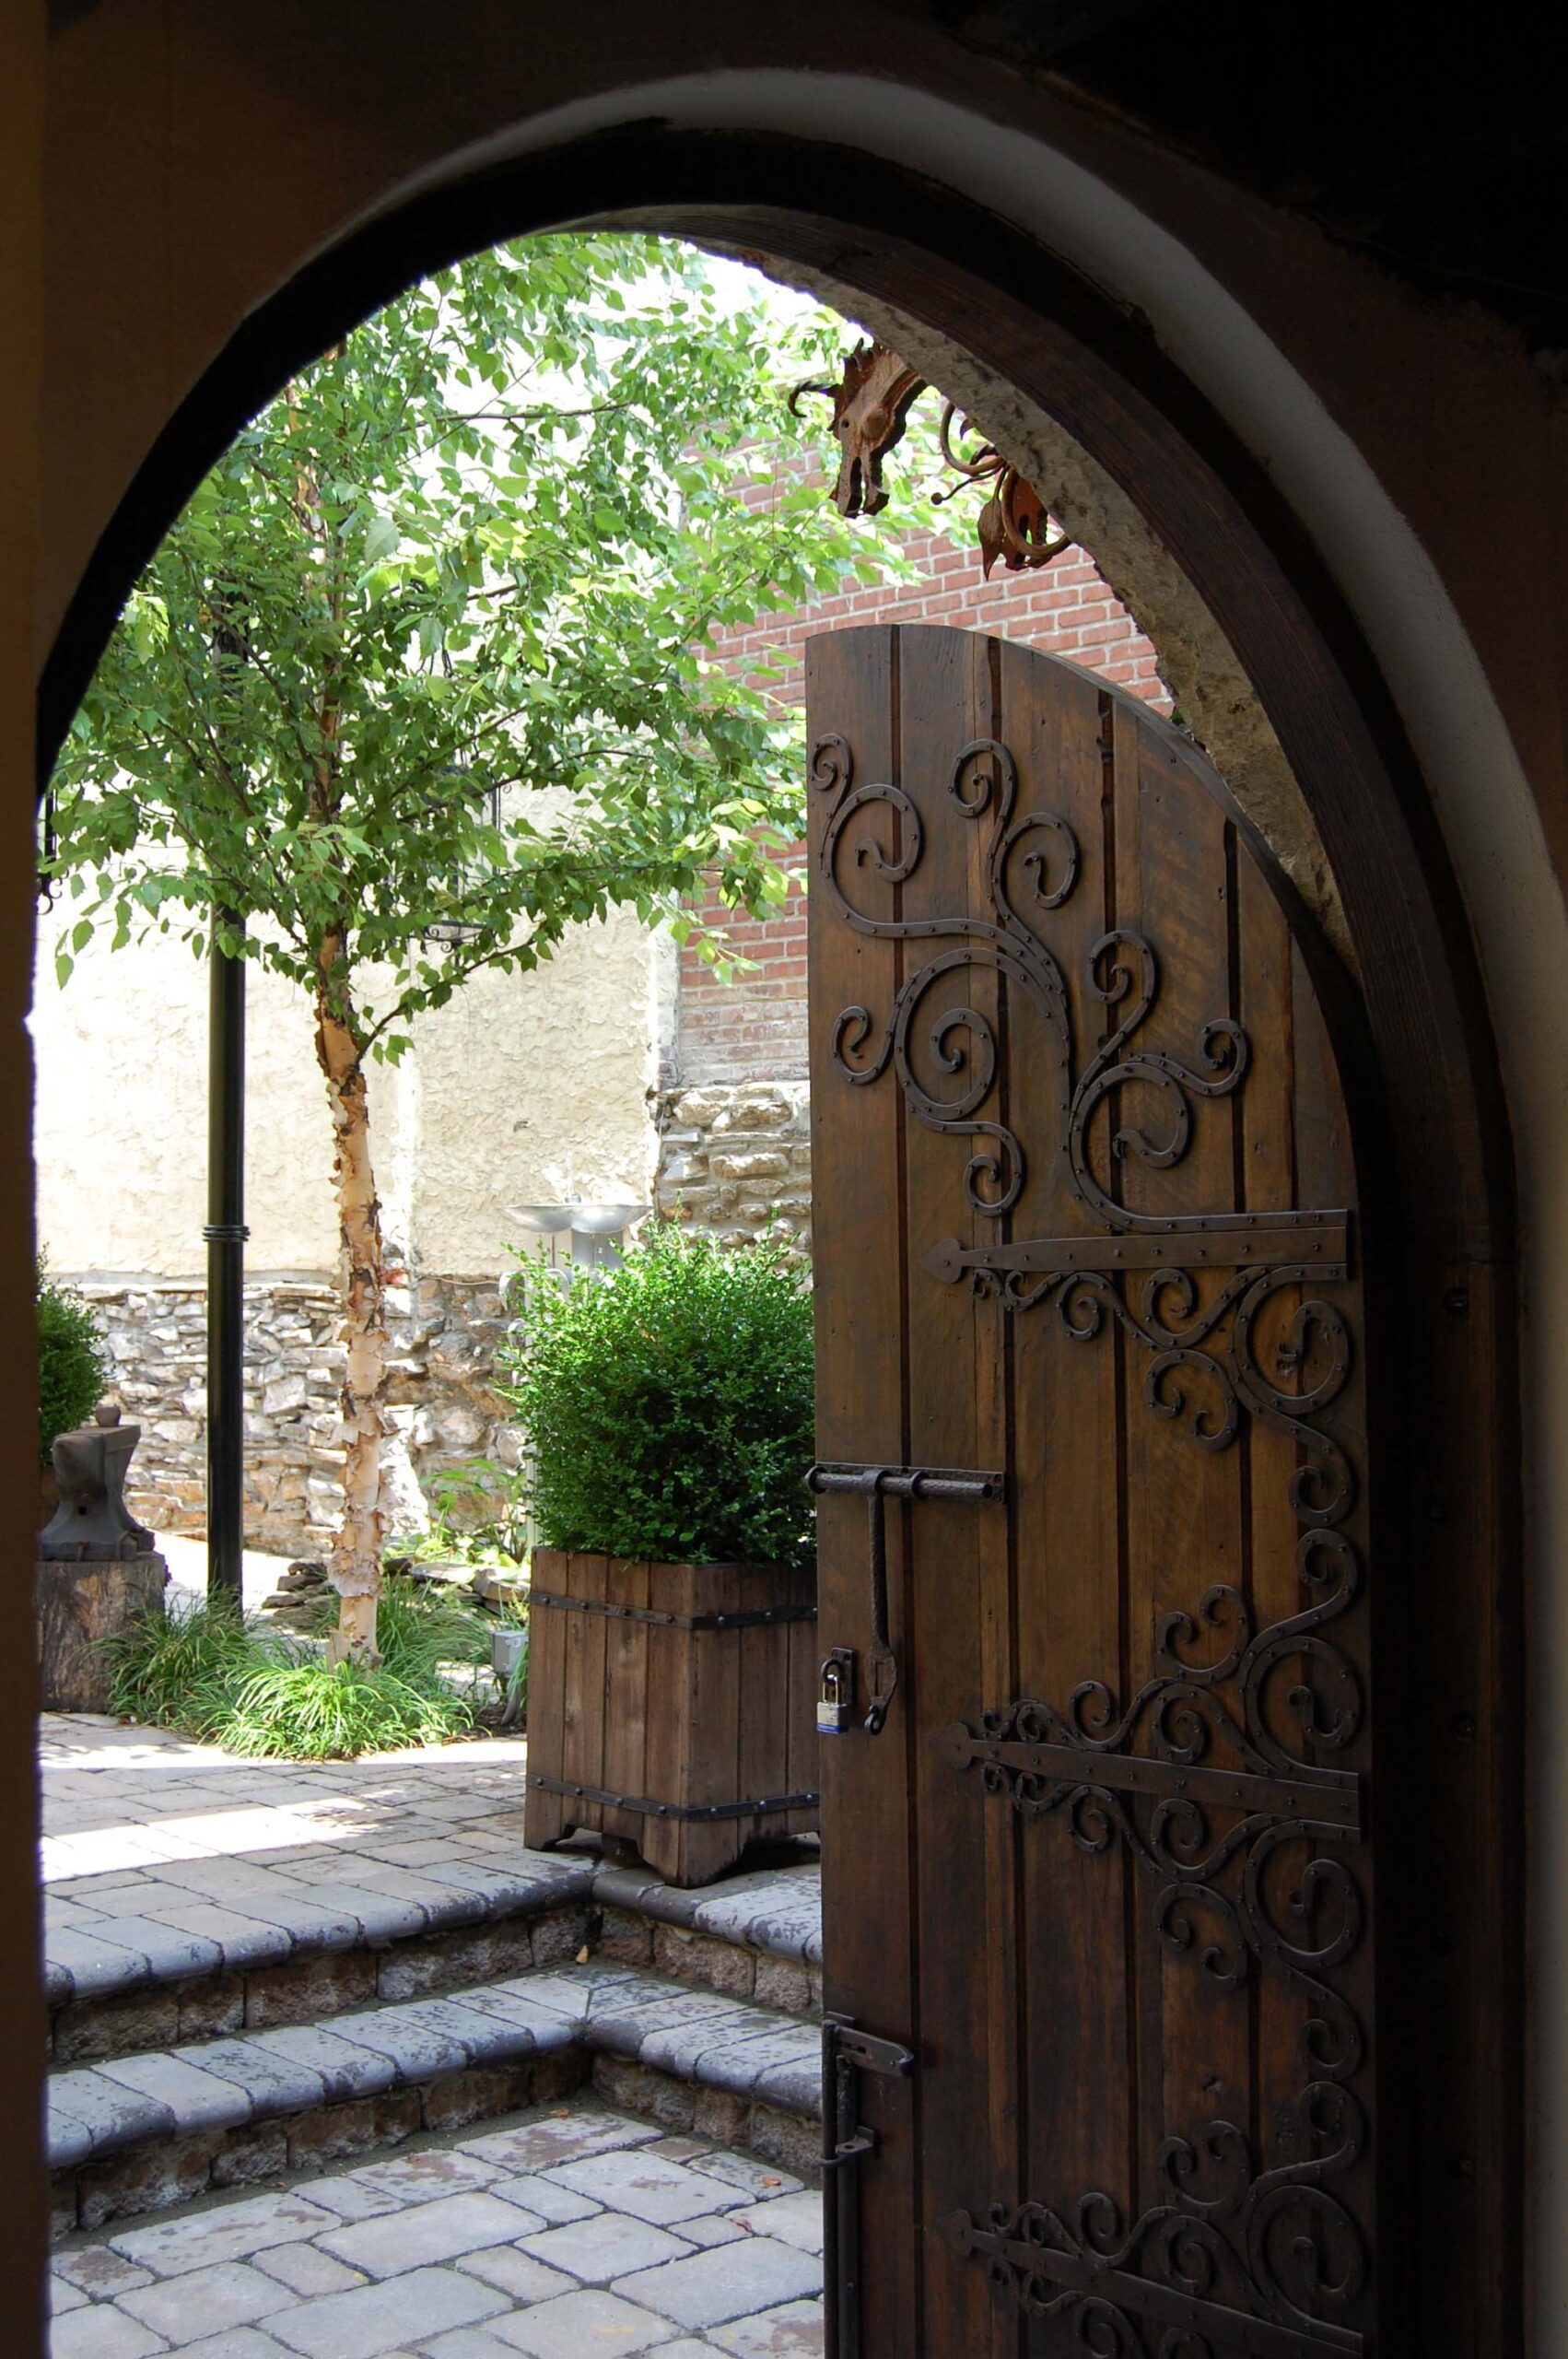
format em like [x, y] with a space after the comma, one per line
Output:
[1098, 1894]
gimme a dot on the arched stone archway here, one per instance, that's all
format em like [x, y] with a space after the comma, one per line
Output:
[1076, 360]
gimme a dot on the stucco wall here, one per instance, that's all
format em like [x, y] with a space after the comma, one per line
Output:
[522, 1085]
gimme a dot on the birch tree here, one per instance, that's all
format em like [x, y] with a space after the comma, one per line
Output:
[424, 674]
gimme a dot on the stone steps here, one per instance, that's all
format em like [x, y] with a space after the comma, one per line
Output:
[143, 2132]
[122, 1985]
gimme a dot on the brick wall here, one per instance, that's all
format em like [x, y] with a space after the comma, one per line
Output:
[756, 1026]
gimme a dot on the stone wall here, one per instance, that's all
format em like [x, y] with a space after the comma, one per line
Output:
[733, 1155]
[443, 1334]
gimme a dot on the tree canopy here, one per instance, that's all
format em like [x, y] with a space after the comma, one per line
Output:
[482, 544]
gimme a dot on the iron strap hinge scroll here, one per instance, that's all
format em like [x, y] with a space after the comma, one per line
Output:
[847, 2052]
[758, 1617]
[876, 1485]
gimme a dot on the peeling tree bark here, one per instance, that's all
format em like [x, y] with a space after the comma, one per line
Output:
[355, 1568]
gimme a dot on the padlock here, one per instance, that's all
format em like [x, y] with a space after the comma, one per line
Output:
[836, 1693]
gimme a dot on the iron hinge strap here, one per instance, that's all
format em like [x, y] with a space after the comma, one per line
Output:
[751, 1618]
[848, 2051]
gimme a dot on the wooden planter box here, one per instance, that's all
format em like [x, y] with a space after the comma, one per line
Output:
[671, 1705]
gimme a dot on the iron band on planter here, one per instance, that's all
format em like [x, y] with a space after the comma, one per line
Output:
[752, 1618]
[766, 1808]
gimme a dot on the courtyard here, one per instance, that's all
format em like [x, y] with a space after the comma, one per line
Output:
[254, 1964]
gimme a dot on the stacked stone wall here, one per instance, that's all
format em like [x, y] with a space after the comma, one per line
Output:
[443, 1334]
[734, 1156]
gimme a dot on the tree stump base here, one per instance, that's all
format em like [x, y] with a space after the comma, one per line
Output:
[79, 1604]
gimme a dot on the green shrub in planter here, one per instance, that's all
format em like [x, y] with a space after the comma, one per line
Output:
[668, 1403]
[70, 1362]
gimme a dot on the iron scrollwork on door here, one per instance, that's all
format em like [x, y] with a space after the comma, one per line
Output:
[1213, 1778]
[1230, 2260]
[1034, 861]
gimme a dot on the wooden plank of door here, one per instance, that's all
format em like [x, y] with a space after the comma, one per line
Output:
[1067, 1472]
[1327, 1174]
[857, 1219]
[956, 1603]
[1263, 1112]
[1184, 1502]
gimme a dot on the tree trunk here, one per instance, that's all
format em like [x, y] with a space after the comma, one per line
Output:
[356, 1562]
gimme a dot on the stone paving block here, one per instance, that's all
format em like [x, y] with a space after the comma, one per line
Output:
[727, 2054]
[305, 2269]
[422, 2178]
[344, 2067]
[345, 2199]
[95, 1966]
[645, 2185]
[228, 2232]
[62, 2295]
[227, 2293]
[113, 2116]
[794, 2082]
[754, 2179]
[590, 2320]
[548, 2028]
[609, 2246]
[553, 2206]
[303, 1989]
[624, 2027]
[714, 2228]
[237, 2342]
[470, 2343]
[380, 1916]
[794, 2330]
[516, 2273]
[417, 2050]
[563, 2136]
[793, 2219]
[485, 2039]
[119, 2023]
[103, 2333]
[197, 2100]
[310, 1924]
[171, 1951]
[245, 1942]
[375, 2321]
[426, 2234]
[729, 2282]
[98, 2272]
[275, 2082]
[443, 1904]
[67, 2138]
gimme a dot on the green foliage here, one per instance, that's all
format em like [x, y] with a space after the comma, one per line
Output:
[669, 1406]
[71, 1370]
[320, 1711]
[179, 1669]
[483, 545]
[202, 1669]
[478, 1516]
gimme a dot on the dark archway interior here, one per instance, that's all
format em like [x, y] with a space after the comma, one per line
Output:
[1447, 1306]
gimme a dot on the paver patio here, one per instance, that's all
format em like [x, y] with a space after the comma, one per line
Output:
[567, 2232]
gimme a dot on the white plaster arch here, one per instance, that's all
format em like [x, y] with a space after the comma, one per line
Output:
[1459, 733]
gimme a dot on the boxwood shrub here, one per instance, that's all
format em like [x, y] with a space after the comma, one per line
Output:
[667, 1404]
[70, 1362]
